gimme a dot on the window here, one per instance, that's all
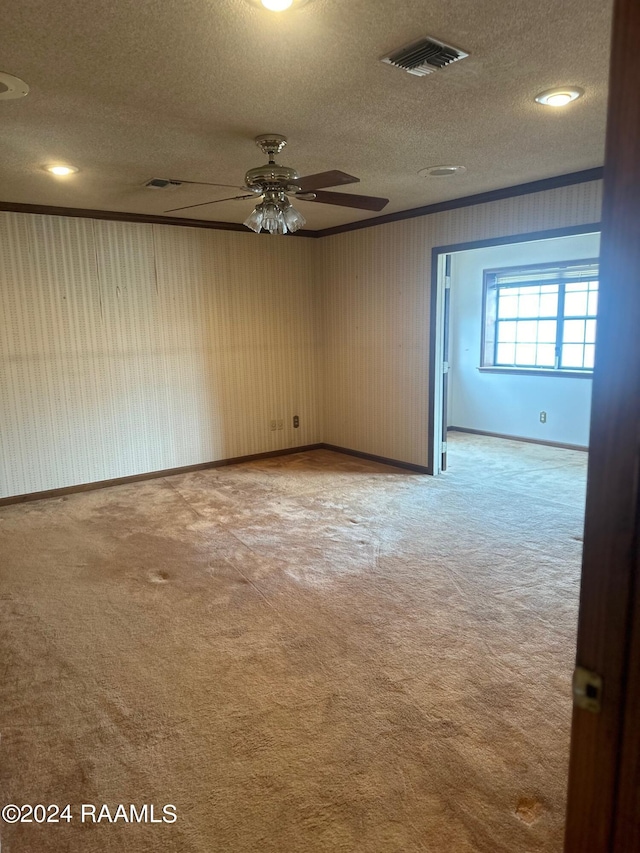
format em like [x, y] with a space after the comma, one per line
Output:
[541, 317]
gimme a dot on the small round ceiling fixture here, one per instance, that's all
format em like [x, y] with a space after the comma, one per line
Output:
[559, 97]
[61, 171]
[12, 87]
[441, 171]
[277, 5]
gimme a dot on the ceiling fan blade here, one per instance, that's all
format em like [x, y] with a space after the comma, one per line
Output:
[207, 184]
[325, 179]
[203, 203]
[362, 202]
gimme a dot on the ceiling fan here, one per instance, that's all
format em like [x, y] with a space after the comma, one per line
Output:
[275, 183]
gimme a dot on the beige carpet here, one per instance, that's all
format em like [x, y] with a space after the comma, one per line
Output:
[310, 653]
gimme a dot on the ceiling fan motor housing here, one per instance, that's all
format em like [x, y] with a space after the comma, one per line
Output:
[272, 175]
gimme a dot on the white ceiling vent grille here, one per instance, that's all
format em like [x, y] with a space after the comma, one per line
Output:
[424, 56]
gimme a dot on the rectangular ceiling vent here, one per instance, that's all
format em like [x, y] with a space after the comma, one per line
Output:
[424, 56]
[162, 184]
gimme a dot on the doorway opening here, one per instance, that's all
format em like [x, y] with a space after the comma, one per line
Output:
[512, 340]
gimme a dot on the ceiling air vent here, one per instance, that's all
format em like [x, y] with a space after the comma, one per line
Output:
[424, 56]
[162, 184]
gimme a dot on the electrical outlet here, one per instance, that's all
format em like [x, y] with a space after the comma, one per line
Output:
[280, 424]
[273, 425]
[296, 421]
[543, 417]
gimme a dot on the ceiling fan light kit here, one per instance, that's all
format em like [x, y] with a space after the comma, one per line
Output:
[276, 215]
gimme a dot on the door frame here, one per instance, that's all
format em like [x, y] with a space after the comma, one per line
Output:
[436, 320]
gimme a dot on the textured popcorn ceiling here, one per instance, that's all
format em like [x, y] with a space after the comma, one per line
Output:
[131, 91]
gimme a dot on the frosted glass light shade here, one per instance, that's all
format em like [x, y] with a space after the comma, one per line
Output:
[254, 220]
[272, 218]
[293, 219]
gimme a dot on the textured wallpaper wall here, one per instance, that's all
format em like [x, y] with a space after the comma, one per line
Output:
[375, 324]
[129, 348]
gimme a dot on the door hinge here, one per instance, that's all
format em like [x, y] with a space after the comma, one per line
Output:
[447, 282]
[443, 448]
[445, 366]
[587, 690]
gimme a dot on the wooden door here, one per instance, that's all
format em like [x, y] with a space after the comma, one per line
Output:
[446, 311]
[604, 777]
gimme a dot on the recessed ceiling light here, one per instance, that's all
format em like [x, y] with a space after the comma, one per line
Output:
[559, 97]
[441, 171]
[61, 171]
[278, 5]
[11, 87]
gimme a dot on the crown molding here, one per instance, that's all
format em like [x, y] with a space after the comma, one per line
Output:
[553, 183]
[582, 177]
[118, 216]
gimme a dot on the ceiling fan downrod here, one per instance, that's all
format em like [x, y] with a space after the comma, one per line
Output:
[271, 144]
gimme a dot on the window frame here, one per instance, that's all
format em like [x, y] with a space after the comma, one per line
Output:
[489, 284]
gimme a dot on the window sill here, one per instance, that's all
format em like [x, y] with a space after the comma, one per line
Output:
[538, 371]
